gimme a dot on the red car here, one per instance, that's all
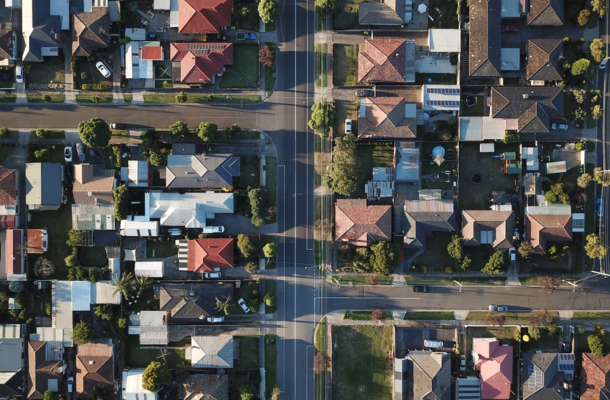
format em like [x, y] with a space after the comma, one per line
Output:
[509, 28]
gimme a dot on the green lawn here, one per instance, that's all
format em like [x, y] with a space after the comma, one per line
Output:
[245, 63]
[248, 352]
[84, 98]
[510, 316]
[246, 15]
[249, 291]
[271, 287]
[364, 315]
[232, 81]
[362, 362]
[346, 16]
[477, 110]
[6, 152]
[320, 347]
[545, 342]
[53, 134]
[39, 98]
[160, 249]
[8, 98]
[321, 70]
[357, 280]
[93, 256]
[435, 257]
[250, 172]
[51, 71]
[270, 363]
[591, 315]
[128, 97]
[345, 109]
[429, 315]
[270, 71]
[140, 358]
[345, 64]
[271, 170]
[220, 99]
[55, 155]
[447, 18]
[421, 78]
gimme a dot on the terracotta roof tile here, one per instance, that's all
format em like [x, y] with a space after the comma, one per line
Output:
[204, 16]
[13, 261]
[361, 224]
[541, 229]
[595, 376]
[382, 60]
[201, 65]
[94, 369]
[546, 12]
[35, 241]
[8, 187]
[90, 30]
[496, 365]
[206, 254]
[484, 57]
[152, 53]
[40, 370]
[501, 223]
[385, 118]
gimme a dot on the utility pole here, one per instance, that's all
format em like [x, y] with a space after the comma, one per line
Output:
[571, 283]
[460, 285]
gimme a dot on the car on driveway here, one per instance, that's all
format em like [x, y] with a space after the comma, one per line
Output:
[103, 69]
[215, 320]
[422, 289]
[512, 252]
[70, 384]
[96, 156]
[80, 150]
[212, 275]
[561, 127]
[493, 307]
[243, 305]
[68, 153]
[348, 126]
[510, 29]
[365, 93]
[19, 74]
[435, 344]
[599, 207]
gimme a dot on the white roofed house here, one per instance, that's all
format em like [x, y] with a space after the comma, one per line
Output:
[132, 386]
[211, 351]
[445, 40]
[139, 59]
[189, 210]
[151, 326]
[135, 174]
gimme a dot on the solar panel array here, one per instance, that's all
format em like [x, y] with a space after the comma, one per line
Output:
[567, 357]
[566, 367]
[448, 103]
[443, 90]
[568, 376]
[566, 364]
[535, 378]
[204, 48]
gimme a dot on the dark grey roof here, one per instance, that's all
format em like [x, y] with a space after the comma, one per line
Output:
[204, 171]
[45, 28]
[484, 56]
[534, 107]
[378, 14]
[191, 301]
[430, 375]
[10, 384]
[546, 12]
[11, 352]
[541, 378]
[43, 183]
[544, 59]
[426, 216]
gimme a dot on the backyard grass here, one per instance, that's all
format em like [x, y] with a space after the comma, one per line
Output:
[248, 352]
[345, 109]
[246, 15]
[545, 342]
[321, 53]
[346, 16]
[84, 98]
[447, 18]
[590, 315]
[435, 256]
[250, 172]
[271, 287]
[421, 78]
[8, 98]
[345, 64]
[39, 98]
[271, 71]
[245, 63]
[270, 363]
[220, 99]
[364, 315]
[160, 249]
[429, 315]
[477, 110]
[51, 134]
[362, 362]
[140, 358]
[92, 256]
[358, 280]
[51, 71]
[6, 152]
[474, 195]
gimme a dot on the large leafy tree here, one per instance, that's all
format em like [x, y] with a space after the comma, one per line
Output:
[598, 48]
[597, 347]
[525, 249]
[156, 375]
[94, 132]
[495, 264]
[224, 304]
[247, 245]
[268, 10]
[384, 258]
[270, 250]
[121, 202]
[178, 130]
[601, 177]
[207, 131]
[594, 247]
[322, 118]
[82, 333]
[456, 248]
[580, 67]
[346, 170]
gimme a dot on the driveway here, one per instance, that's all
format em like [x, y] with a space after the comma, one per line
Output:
[235, 224]
[413, 338]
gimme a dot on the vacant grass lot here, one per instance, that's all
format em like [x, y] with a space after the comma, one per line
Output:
[248, 352]
[321, 53]
[362, 363]
[345, 64]
[160, 249]
[51, 71]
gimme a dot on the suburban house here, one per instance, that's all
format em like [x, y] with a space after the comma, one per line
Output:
[482, 128]
[132, 386]
[386, 60]
[89, 217]
[445, 40]
[94, 369]
[189, 210]
[136, 174]
[544, 375]
[139, 61]
[488, 227]
[211, 351]
[388, 13]
[484, 57]
[42, 22]
[12, 360]
[204, 16]
[93, 185]
[199, 63]
[187, 170]
[421, 216]
[429, 375]
[37, 241]
[468, 388]
[544, 60]
[545, 224]
[150, 326]
[9, 198]
[387, 117]
[205, 255]
[212, 387]
[191, 302]
[45, 368]
[14, 259]
[90, 31]
[594, 377]
[43, 186]
[441, 97]
[496, 365]
[545, 12]
[8, 50]
[527, 109]
[361, 224]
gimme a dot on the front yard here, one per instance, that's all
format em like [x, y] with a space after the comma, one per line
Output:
[321, 68]
[246, 64]
[87, 74]
[347, 15]
[246, 16]
[345, 64]
[51, 71]
[435, 257]
[248, 352]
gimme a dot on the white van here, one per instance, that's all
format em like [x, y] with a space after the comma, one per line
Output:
[435, 344]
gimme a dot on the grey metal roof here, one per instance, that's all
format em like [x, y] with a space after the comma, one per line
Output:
[43, 25]
[204, 171]
[541, 378]
[11, 351]
[43, 183]
[189, 209]
[212, 351]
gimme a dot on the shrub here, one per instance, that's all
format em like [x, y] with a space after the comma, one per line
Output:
[583, 17]
[4, 133]
[83, 75]
[71, 260]
[167, 84]
[580, 66]
[598, 50]
[270, 300]
[46, 98]
[42, 133]
[251, 267]
[181, 97]
[597, 347]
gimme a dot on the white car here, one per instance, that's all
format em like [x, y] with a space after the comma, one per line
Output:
[348, 126]
[435, 344]
[19, 74]
[243, 305]
[212, 275]
[103, 69]
[215, 320]
[68, 153]
[70, 384]
[562, 127]
[512, 252]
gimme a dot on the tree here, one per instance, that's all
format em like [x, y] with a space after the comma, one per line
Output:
[95, 132]
[178, 130]
[224, 305]
[496, 319]
[534, 332]
[149, 145]
[384, 258]
[207, 131]
[322, 118]
[465, 264]
[246, 392]
[378, 315]
[583, 17]
[580, 66]
[596, 111]
[247, 245]
[43, 267]
[82, 333]
[232, 131]
[326, 5]
[155, 376]
[598, 48]
[455, 249]
[275, 393]
[16, 286]
[121, 202]
[511, 137]
[361, 260]
[266, 56]
[320, 363]
[548, 283]
[541, 319]
[346, 169]
[157, 159]
[257, 204]
[41, 154]
[270, 299]
[251, 267]
[594, 247]
[142, 284]
[103, 311]
[42, 133]
[122, 322]
[580, 329]
[525, 249]
[583, 180]
[495, 264]
[270, 250]
[181, 97]
[76, 274]
[601, 177]
[4, 133]
[599, 6]
[579, 95]
[71, 260]
[268, 10]
[124, 284]
[50, 395]
[597, 347]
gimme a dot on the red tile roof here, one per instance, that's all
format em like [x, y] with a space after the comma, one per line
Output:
[7, 221]
[541, 229]
[361, 224]
[199, 62]
[385, 118]
[35, 243]
[382, 60]
[595, 376]
[13, 261]
[207, 254]
[152, 53]
[204, 16]
[8, 187]
[94, 369]
[496, 365]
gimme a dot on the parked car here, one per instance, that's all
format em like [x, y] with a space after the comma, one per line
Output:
[512, 252]
[80, 150]
[215, 320]
[19, 74]
[212, 275]
[365, 93]
[96, 156]
[462, 363]
[599, 207]
[562, 127]
[602, 65]
[70, 384]
[348, 126]
[116, 125]
[103, 69]
[423, 289]
[243, 305]
[510, 29]
[435, 344]
[493, 307]
[68, 153]
[251, 36]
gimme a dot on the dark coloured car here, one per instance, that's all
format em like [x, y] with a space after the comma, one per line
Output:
[80, 149]
[365, 93]
[70, 172]
[422, 289]
[510, 29]
[96, 157]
